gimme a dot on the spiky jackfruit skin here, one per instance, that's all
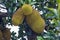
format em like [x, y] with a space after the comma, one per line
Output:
[6, 34]
[27, 9]
[1, 36]
[36, 22]
[17, 17]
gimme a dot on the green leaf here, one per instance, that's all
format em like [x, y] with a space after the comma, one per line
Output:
[30, 1]
[58, 1]
[21, 1]
[39, 38]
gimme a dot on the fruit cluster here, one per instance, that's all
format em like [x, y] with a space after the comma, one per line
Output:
[33, 18]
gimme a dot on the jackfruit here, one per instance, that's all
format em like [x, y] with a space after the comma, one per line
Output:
[35, 21]
[1, 36]
[27, 9]
[17, 17]
[6, 34]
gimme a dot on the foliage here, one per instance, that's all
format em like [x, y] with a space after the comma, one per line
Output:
[51, 15]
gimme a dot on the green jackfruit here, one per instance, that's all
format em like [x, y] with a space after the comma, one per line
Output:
[17, 17]
[6, 34]
[36, 22]
[27, 9]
